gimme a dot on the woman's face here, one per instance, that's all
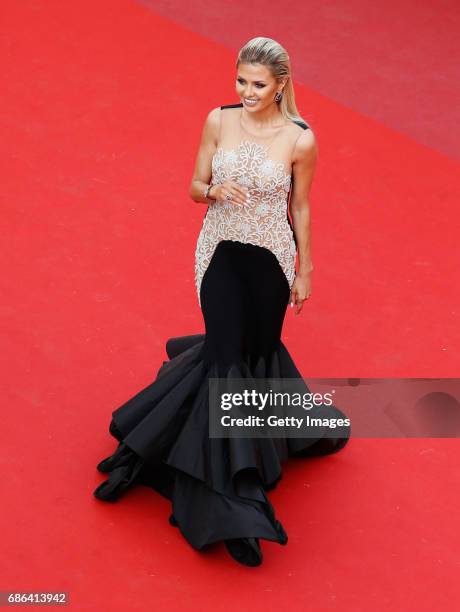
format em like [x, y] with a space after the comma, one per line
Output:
[255, 82]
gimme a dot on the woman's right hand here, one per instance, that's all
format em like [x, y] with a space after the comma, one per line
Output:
[240, 195]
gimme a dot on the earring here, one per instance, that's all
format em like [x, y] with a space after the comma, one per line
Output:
[278, 96]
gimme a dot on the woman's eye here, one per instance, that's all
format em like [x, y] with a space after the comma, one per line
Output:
[259, 85]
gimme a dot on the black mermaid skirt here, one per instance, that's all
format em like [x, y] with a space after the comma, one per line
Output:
[217, 486]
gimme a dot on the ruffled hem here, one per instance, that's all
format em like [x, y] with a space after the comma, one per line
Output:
[217, 486]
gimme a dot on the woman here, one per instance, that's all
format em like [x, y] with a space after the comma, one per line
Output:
[256, 153]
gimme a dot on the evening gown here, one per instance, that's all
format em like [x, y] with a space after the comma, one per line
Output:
[244, 270]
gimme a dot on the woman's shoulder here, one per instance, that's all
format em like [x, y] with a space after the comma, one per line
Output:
[214, 117]
[212, 120]
[217, 110]
[305, 146]
[303, 132]
[303, 125]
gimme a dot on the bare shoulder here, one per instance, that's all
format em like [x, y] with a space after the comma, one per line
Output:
[213, 118]
[306, 146]
[211, 127]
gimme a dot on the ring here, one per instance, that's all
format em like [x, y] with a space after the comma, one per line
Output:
[229, 196]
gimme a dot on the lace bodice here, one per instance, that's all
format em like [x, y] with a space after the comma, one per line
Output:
[263, 222]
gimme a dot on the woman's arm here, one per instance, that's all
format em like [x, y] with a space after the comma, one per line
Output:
[304, 165]
[202, 173]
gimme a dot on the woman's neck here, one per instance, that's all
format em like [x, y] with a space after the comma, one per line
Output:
[263, 120]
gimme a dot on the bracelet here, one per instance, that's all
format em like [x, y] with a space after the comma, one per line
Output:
[206, 191]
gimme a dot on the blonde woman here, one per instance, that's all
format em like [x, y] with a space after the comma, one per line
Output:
[255, 157]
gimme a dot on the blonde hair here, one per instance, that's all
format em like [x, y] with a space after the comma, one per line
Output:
[268, 52]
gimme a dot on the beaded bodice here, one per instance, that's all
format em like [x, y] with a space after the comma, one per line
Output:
[264, 221]
[267, 181]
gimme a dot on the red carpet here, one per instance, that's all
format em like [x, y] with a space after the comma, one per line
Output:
[101, 112]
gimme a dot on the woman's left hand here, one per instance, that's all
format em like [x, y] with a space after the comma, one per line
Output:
[301, 291]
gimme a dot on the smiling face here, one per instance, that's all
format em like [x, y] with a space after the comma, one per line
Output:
[255, 82]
